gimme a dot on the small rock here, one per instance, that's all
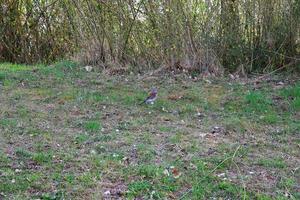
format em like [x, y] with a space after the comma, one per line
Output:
[175, 112]
[200, 115]
[280, 83]
[166, 172]
[216, 129]
[115, 155]
[208, 81]
[202, 135]
[93, 152]
[88, 68]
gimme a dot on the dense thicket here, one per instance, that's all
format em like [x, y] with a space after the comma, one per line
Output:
[205, 35]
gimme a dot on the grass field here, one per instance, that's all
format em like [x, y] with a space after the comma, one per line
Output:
[70, 134]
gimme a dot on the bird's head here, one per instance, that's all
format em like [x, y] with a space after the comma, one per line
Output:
[153, 91]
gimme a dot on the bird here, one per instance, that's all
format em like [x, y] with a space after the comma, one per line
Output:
[152, 97]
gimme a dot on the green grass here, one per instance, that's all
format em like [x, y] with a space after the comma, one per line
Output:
[2, 76]
[42, 157]
[67, 134]
[23, 153]
[79, 139]
[8, 122]
[8, 67]
[272, 163]
[139, 188]
[292, 95]
[257, 102]
[92, 126]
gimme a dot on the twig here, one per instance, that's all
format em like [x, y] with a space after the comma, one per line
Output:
[244, 185]
[272, 72]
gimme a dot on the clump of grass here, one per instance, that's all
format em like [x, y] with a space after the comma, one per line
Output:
[235, 124]
[2, 76]
[8, 122]
[23, 112]
[291, 92]
[70, 178]
[87, 179]
[139, 188]
[146, 152]
[96, 97]
[165, 129]
[42, 157]
[257, 102]
[296, 104]
[129, 99]
[292, 95]
[272, 163]
[287, 183]
[3, 158]
[52, 195]
[23, 153]
[271, 117]
[149, 171]
[188, 109]
[229, 188]
[66, 64]
[103, 138]
[81, 138]
[34, 131]
[92, 126]
[9, 67]
[176, 138]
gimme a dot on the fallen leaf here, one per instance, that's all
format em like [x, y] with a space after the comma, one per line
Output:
[175, 172]
[175, 97]
[61, 102]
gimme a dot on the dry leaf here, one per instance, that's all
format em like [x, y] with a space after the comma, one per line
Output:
[175, 97]
[175, 172]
